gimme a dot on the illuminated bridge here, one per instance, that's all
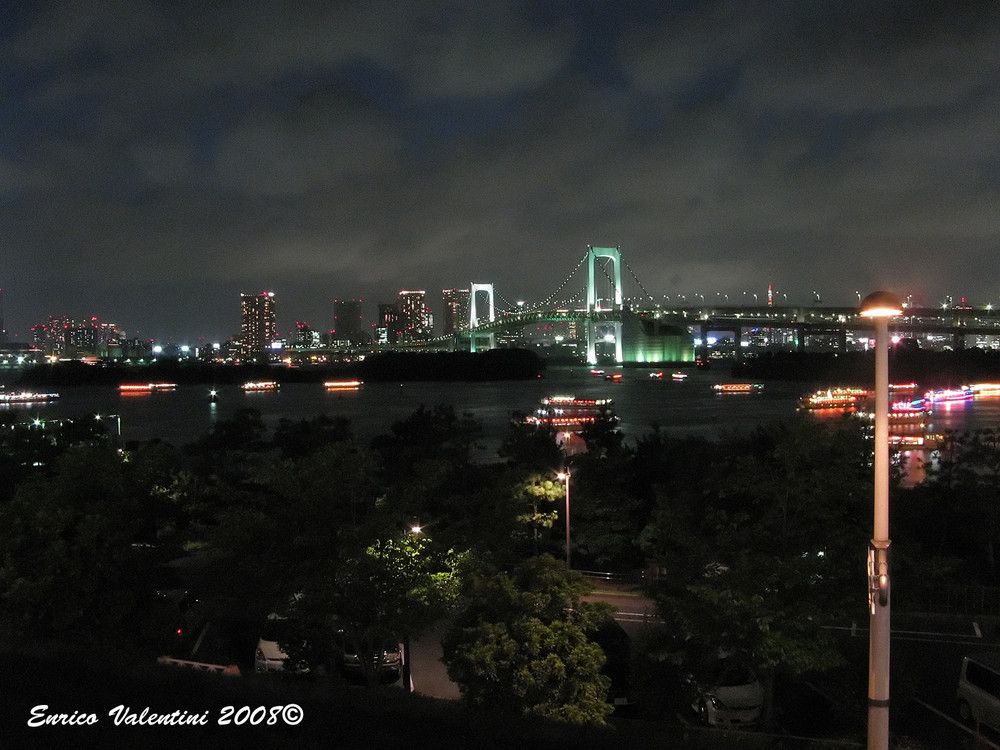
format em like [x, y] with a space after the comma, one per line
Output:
[641, 330]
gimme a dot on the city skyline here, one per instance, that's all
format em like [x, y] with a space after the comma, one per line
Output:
[159, 157]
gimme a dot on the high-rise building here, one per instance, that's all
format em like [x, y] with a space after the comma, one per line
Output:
[415, 318]
[455, 309]
[387, 331]
[259, 327]
[305, 337]
[348, 323]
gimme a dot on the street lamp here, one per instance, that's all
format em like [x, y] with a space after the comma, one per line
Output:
[564, 477]
[880, 306]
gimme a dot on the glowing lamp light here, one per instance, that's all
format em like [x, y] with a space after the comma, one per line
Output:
[880, 305]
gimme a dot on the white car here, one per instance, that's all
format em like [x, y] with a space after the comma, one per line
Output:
[270, 657]
[733, 697]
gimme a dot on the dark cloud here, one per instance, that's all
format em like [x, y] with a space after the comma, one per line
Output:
[158, 158]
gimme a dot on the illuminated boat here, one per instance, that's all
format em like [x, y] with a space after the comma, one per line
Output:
[902, 387]
[916, 441]
[985, 389]
[254, 386]
[26, 397]
[146, 387]
[571, 414]
[342, 385]
[679, 376]
[737, 387]
[656, 375]
[831, 398]
[615, 377]
[903, 412]
[949, 395]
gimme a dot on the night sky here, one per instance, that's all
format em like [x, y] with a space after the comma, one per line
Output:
[159, 158]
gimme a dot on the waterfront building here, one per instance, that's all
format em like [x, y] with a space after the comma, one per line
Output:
[69, 338]
[455, 306]
[348, 322]
[305, 337]
[415, 318]
[387, 331]
[259, 328]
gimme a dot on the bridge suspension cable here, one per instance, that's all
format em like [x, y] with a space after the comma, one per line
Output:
[635, 278]
[548, 300]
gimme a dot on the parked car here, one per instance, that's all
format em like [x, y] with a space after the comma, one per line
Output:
[732, 696]
[387, 658]
[270, 656]
[979, 690]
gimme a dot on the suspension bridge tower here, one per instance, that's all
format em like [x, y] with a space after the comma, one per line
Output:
[595, 305]
[474, 317]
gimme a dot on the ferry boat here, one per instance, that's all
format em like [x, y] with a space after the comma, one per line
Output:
[679, 376]
[342, 385]
[737, 387]
[833, 398]
[903, 412]
[146, 387]
[26, 397]
[949, 395]
[260, 385]
[571, 414]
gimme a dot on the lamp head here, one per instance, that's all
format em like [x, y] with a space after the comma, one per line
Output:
[880, 305]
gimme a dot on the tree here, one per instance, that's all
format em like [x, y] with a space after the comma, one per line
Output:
[521, 644]
[762, 552]
[957, 507]
[331, 552]
[297, 439]
[391, 590]
[68, 568]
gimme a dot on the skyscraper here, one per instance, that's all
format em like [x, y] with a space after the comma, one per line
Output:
[387, 331]
[416, 322]
[347, 321]
[259, 327]
[455, 309]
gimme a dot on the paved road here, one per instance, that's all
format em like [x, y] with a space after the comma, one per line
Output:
[428, 675]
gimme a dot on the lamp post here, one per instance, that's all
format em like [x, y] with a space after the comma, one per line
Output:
[564, 477]
[880, 306]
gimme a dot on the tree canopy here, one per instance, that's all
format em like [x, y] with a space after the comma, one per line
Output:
[521, 644]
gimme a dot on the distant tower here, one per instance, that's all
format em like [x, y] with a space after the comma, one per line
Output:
[259, 327]
[455, 311]
[770, 296]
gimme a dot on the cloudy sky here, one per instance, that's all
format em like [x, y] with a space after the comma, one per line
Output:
[158, 158]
